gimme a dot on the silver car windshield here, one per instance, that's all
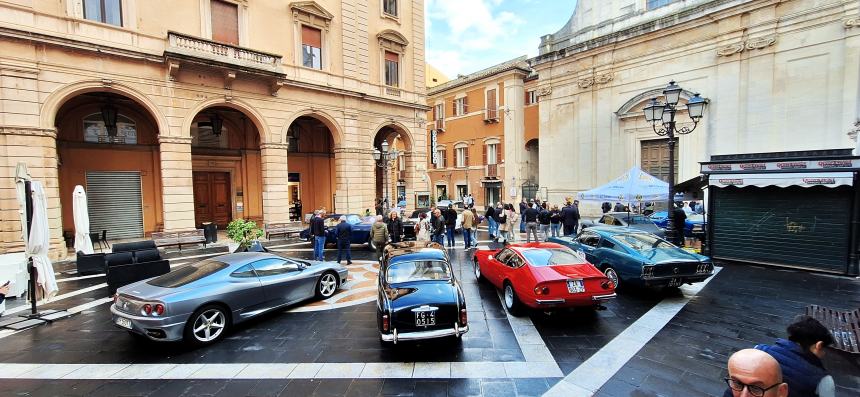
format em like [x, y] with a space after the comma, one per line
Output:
[641, 241]
[551, 257]
[418, 271]
[187, 274]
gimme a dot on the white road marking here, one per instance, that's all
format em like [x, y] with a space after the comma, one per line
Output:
[590, 376]
[57, 298]
[62, 280]
[77, 309]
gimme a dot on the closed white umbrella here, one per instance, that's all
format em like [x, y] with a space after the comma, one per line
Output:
[21, 177]
[82, 221]
[39, 241]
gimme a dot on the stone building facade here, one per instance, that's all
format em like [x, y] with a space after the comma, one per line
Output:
[486, 128]
[206, 110]
[779, 76]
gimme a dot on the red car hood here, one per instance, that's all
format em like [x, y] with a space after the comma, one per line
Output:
[564, 272]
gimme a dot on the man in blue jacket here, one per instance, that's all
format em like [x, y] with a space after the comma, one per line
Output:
[343, 231]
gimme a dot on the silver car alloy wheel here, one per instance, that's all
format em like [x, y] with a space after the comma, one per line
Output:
[209, 325]
[611, 275]
[328, 284]
[509, 296]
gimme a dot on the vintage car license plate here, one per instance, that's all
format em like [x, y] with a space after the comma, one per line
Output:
[123, 322]
[575, 286]
[675, 282]
[425, 318]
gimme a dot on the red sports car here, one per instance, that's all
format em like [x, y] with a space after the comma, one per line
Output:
[543, 276]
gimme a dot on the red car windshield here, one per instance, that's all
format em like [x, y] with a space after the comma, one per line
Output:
[551, 257]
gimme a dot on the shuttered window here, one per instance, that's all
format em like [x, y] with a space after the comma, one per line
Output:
[392, 69]
[462, 154]
[225, 22]
[492, 108]
[311, 47]
[115, 203]
[491, 153]
[461, 106]
[443, 160]
[104, 11]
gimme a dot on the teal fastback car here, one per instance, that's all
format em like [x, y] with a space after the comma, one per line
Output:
[630, 256]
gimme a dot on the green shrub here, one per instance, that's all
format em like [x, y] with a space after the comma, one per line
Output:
[243, 232]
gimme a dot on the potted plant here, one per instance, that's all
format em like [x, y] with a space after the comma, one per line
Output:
[245, 233]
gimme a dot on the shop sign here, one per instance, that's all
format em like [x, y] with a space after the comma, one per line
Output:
[782, 166]
[433, 152]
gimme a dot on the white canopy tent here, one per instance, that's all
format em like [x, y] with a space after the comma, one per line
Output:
[633, 186]
[82, 221]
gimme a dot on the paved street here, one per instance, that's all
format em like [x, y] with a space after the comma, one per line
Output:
[331, 348]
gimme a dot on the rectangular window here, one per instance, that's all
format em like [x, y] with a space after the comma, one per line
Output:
[439, 113]
[389, 7]
[531, 97]
[462, 157]
[492, 153]
[492, 108]
[462, 191]
[311, 47]
[652, 4]
[443, 161]
[460, 106]
[392, 69]
[225, 22]
[104, 11]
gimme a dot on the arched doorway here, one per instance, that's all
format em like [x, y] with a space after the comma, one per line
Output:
[392, 175]
[532, 161]
[108, 143]
[311, 178]
[226, 167]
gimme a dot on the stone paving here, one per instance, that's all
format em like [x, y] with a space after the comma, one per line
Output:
[334, 351]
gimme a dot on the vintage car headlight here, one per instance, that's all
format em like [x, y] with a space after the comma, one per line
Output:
[647, 271]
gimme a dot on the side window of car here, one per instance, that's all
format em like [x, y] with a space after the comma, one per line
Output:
[273, 267]
[244, 272]
[515, 261]
[605, 219]
[604, 243]
[617, 222]
[589, 239]
[503, 255]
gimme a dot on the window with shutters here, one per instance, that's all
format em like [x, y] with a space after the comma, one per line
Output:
[531, 97]
[311, 47]
[462, 157]
[460, 106]
[225, 22]
[392, 69]
[389, 7]
[442, 159]
[492, 153]
[104, 11]
[491, 112]
[439, 112]
[655, 158]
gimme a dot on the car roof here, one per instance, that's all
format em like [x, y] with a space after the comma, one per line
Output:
[415, 250]
[243, 258]
[525, 246]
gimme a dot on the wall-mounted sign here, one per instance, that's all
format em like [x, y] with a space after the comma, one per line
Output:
[433, 153]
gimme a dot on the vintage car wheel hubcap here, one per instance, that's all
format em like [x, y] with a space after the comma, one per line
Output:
[612, 276]
[477, 270]
[509, 296]
[209, 325]
[327, 285]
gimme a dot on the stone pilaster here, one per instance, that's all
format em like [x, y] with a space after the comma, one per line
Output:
[37, 148]
[177, 183]
[276, 198]
[355, 174]
[514, 119]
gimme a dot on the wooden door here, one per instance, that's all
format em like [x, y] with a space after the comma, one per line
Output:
[655, 158]
[212, 198]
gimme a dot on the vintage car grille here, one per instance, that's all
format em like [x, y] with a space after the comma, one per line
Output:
[128, 305]
[676, 269]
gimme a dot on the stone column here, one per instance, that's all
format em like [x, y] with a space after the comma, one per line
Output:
[37, 148]
[276, 195]
[177, 183]
[515, 152]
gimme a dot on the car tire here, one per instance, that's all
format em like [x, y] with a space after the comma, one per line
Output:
[211, 320]
[512, 302]
[479, 276]
[612, 275]
[326, 285]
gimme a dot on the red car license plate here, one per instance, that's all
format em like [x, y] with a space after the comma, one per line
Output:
[575, 286]
[423, 319]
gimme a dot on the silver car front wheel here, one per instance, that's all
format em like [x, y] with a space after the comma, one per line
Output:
[326, 286]
[206, 325]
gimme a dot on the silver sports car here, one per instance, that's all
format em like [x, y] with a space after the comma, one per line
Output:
[199, 302]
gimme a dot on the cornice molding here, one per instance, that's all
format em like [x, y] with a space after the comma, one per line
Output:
[174, 139]
[29, 131]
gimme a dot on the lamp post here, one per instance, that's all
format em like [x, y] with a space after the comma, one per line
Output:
[383, 157]
[664, 114]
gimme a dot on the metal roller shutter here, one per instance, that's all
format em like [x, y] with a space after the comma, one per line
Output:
[793, 226]
[115, 203]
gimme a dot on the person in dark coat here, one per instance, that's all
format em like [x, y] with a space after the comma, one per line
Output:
[532, 223]
[618, 207]
[378, 207]
[544, 221]
[493, 226]
[679, 221]
[605, 207]
[343, 231]
[570, 219]
[395, 227]
[318, 233]
[523, 208]
[438, 223]
[450, 216]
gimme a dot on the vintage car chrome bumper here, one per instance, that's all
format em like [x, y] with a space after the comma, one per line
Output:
[395, 337]
[155, 328]
[601, 298]
[595, 298]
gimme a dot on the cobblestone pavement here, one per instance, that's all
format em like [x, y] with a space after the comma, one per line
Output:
[331, 348]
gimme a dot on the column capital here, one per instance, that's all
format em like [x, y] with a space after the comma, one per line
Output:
[282, 146]
[28, 131]
[174, 139]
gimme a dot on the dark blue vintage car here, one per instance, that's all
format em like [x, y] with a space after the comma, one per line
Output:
[418, 295]
[360, 229]
[631, 256]
[694, 225]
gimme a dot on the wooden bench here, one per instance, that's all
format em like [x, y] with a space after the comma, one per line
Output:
[285, 229]
[169, 239]
[844, 326]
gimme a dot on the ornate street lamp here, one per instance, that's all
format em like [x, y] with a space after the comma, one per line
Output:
[383, 158]
[217, 124]
[109, 113]
[664, 114]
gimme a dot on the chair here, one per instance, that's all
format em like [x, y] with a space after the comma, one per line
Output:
[104, 238]
[97, 240]
[90, 264]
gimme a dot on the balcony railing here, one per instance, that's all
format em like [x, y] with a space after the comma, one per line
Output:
[207, 49]
[492, 171]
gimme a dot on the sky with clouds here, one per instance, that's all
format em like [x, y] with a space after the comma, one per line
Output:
[464, 36]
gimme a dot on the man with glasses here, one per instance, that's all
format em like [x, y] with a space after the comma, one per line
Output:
[755, 373]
